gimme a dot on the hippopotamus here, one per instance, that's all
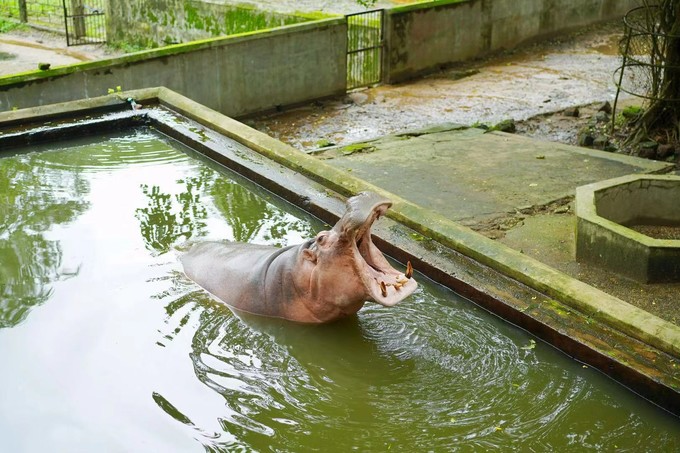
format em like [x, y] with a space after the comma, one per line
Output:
[323, 279]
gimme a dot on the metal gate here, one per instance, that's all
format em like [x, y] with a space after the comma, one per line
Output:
[364, 48]
[85, 23]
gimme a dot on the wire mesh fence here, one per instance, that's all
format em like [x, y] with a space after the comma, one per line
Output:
[644, 68]
[42, 13]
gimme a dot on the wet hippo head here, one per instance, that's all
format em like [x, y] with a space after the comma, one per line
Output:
[323, 279]
[348, 266]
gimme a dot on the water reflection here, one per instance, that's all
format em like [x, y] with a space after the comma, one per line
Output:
[169, 219]
[254, 219]
[43, 187]
[33, 199]
[179, 213]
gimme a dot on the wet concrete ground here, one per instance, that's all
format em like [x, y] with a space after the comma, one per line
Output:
[545, 77]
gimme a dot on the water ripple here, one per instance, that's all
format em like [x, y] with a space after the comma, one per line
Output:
[431, 373]
[139, 147]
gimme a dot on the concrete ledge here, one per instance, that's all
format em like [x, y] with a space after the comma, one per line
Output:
[167, 51]
[592, 302]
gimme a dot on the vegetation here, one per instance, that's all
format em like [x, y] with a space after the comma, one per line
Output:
[9, 25]
[46, 13]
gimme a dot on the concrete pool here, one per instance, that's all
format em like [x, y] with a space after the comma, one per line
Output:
[118, 330]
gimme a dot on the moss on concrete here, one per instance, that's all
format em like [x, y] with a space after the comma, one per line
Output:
[157, 24]
[423, 5]
[16, 80]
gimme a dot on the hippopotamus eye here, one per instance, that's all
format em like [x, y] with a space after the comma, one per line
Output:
[320, 238]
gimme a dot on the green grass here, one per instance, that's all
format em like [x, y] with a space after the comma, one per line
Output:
[9, 25]
[47, 13]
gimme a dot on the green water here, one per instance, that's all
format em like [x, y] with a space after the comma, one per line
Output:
[106, 346]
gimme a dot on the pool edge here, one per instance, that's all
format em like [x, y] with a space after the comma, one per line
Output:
[591, 302]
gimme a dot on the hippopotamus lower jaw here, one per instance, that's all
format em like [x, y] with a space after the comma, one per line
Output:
[383, 283]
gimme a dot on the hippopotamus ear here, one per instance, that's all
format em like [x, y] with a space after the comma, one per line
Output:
[309, 255]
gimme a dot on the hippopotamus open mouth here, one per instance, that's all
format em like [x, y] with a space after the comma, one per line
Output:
[383, 283]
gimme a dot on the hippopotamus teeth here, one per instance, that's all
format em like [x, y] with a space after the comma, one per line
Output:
[383, 289]
[409, 270]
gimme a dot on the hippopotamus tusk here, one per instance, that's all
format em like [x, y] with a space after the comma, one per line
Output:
[323, 279]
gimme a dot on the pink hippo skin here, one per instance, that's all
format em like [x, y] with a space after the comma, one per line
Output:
[321, 280]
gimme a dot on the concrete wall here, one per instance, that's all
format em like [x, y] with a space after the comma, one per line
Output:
[423, 37]
[602, 210]
[153, 23]
[234, 75]
[652, 201]
[253, 72]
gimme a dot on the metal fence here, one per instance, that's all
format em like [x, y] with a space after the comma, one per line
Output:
[82, 22]
[47, 14]
[364, 48]
[85, 23]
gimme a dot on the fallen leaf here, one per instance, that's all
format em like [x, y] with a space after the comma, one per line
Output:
[530, 346]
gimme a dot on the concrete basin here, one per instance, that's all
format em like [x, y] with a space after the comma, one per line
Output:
[606, 210]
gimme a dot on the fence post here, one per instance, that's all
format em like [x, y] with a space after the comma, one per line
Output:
[23, 11]
[78, 20]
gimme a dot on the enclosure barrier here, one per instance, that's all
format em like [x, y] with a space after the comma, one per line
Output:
[315, 59]
[365, 48]
[82, 23]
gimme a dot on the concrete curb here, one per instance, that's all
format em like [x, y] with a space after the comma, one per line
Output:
[597, 304]
[585, 298]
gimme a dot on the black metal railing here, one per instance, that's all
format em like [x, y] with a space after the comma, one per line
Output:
[39, 13]
[85, 23]
[364, 48]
